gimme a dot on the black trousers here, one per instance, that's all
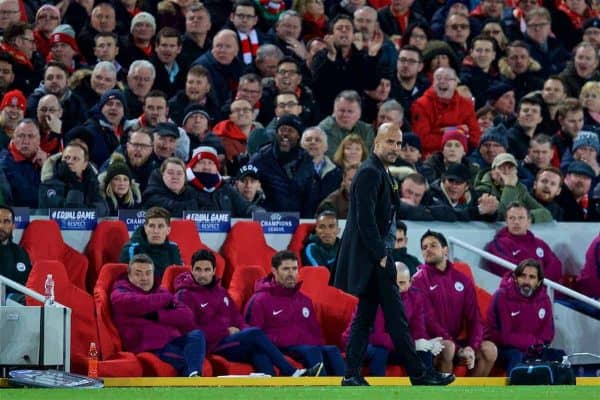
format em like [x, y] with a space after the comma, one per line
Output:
[382, 289]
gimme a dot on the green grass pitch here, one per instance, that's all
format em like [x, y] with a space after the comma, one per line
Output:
[313, 393]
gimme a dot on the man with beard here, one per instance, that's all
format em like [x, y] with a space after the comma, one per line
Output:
[520, 317]
[14, 263]
[546, 188]
[285, 170]
[516, 242]
[573, 197]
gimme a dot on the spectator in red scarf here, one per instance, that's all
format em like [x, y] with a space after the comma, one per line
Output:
[314, 20]
[46, 19]
[18, 43]
[64, 48]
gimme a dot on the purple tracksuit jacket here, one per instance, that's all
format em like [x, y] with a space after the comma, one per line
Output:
[130, 309]
[285, 315]
[517, 248]
[588, 281]
[454, 303]
[514, 320]
[212, 308]
[416, 307]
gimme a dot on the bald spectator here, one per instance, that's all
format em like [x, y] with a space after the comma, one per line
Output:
[345, 120]
[503, 183]
[221, 62]
[440, 107]
[515, 243]
[10, 13]
[22, 164]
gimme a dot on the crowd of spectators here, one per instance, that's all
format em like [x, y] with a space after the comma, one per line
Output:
[295, 91]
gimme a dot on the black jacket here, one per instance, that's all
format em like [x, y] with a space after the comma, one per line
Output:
[226, 198]
[159, 195]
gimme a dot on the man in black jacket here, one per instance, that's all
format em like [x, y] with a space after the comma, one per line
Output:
[364, 268]
[14, 263]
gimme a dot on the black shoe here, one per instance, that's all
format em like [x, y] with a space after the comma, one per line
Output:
[355, 381]
[433, 378]
[315, 370]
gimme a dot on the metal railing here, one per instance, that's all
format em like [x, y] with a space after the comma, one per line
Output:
[4, 282]
[552, 286]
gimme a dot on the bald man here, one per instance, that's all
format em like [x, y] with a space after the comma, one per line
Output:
[364, 268]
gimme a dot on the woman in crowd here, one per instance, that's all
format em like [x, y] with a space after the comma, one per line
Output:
[351, 151]
[119, 188]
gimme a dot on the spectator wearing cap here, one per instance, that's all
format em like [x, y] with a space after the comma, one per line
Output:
[235, 130]
[12, 111]
[64, 48]
[248, 185]
[501, 97]
[586, 147]
[27, 63]
[168, 188]
[345, 120]
[197, 91]
[455, 191]
[591, 31]
[327, 176]
[22, 164]
[139, 45]
[493, 142]
[479, 69]
[56, 78]
[515, 243]
[520, 70]
[119, 189]
[106, 125]
[582, 68]
[285, 170]
[410, 159]
[68, 179]
[373, 99]
[574, 15]
[214, 194]
[529, 117]
[197, 124]
[454, 150]
[223, 65]
[417, 203]
[440, 107]
[574, 196]
[166, 135]
[503, 183]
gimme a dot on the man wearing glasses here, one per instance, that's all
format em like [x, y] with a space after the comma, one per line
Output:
[10, 13]
[18, 43]
[456, 34]
[243, 21]
[408, 84]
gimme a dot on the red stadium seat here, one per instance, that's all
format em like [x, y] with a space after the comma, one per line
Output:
[83, 321]
[187, 237]
[242, 283]
[43, 241]
[298, 240]
[108, 334]
[245, 245]
[104, 247]
[168, 278]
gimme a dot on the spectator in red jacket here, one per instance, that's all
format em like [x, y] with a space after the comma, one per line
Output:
[452, 295]
[226, 332]
[442, 106]
[149, 320]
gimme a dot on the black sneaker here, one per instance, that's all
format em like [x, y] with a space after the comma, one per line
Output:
[433, 378]
[315, 370]
[355, 381]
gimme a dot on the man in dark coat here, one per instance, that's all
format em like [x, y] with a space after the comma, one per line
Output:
[364, 268]
[14, 263]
